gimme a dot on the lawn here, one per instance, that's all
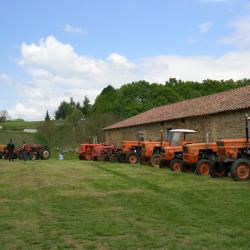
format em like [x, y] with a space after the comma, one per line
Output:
[90, 205]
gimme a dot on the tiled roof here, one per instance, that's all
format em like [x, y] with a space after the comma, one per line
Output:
[220, 102]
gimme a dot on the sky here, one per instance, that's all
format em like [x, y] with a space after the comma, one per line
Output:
[53, 50]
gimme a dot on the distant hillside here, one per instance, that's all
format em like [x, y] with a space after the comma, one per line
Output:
[20, 125]
[14, 130]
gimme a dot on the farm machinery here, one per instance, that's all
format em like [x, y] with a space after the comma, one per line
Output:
[171, 151]
[33, 152]
[233, 155]
[131, 150]
[196, 157]
[3, 151]
[99, 152]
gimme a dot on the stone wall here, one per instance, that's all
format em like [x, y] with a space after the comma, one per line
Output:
[224, 125]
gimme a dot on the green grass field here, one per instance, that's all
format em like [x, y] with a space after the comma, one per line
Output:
[90, 205]
[20, 125]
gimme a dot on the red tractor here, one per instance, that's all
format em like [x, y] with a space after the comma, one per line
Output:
[33, 152]
[88, 151]
[108, 153]
[99, 152]
[233, 155]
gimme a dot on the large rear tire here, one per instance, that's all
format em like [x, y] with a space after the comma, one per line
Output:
[44, 154]
[155, 160]
[240, 170]
[202, 167]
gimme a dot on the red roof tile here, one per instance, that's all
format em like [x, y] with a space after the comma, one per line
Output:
[220, 102]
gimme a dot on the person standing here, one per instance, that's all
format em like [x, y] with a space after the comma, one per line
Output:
[10, 149]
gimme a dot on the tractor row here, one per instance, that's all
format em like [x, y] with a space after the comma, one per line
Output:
[33, 152]
[181, 154]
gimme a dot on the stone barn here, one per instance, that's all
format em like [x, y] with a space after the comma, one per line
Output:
[221, 115]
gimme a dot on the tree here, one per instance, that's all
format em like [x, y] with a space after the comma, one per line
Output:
[86, 106]
[3, 116]
[64, 110]
[47, 116]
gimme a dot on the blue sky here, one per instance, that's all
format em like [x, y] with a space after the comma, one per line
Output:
[51, 50]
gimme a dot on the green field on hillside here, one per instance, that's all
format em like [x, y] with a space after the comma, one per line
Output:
[20, 125]
[91, 205]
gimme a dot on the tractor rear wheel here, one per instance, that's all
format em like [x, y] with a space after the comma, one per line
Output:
[240, 170]
[132, 158]
[217, 169]
[202, 167]
[113, 158]
[155, 160]
[176, 165]
[44, 154]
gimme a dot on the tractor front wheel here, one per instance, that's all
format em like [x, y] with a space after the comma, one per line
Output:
[176, 165]
[155, 160]
[240, 170]
[133, 158]
[88, 157]
[202, 167]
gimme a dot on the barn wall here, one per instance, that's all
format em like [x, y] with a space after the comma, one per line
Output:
[223, 125]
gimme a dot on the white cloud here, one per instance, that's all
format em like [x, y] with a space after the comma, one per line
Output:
[4, 79]
[71, 29]
[58, 72]
[241, 33]
[205, 27]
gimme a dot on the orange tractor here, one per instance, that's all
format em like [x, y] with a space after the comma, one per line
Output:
[130, 152]
[196, 157]
[233, 155]
[149, 148]
[171, 151]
